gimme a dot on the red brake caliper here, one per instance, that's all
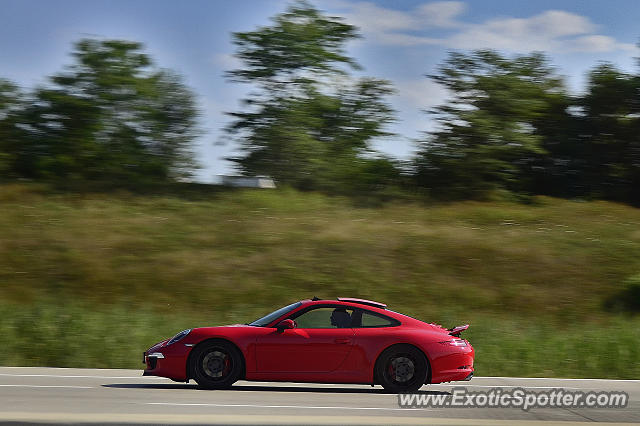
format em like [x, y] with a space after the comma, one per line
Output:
[391, 372]
[227, 365]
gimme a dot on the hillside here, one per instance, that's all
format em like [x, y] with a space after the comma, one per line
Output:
[94, 279]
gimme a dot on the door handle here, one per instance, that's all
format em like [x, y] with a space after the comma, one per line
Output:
[342, 340]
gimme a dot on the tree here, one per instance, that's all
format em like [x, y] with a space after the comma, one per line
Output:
[11, 104]
[609, 134]
[308, 117]
[491, 132]
[112, 117]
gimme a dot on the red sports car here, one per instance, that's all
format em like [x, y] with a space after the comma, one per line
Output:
[323, 341]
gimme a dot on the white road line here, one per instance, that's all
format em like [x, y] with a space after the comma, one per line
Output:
[554, 378]
[79, 377]
[300, 384]
[46, 386]
[65, 368]
[502, 386]
[310, 407]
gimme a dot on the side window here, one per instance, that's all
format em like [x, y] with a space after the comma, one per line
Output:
[370, 319]
[325, 317]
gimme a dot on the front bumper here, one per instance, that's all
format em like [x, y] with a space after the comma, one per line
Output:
[167, 361]
[151, 360]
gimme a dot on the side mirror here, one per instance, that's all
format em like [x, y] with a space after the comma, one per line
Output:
[286, 324]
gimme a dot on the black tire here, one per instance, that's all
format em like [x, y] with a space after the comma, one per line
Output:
[216, 364]
[401, 369]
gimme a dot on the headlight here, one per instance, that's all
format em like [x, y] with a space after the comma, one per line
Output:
[179, 336]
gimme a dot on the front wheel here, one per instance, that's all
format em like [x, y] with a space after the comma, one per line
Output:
[402, 369]
[216, 364]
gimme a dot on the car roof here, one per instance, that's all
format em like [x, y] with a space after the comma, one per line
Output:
[347, 300]
[363, 302]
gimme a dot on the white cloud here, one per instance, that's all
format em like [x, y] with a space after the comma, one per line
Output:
[441, 13]
[599, 43]
[389, 26]
[226, 61]
[421, 94]
[551, 30]
[557, 23]
[371, 18]
[397, 39]
[412, 99]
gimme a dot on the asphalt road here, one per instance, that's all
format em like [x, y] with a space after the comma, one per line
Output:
[83, 396]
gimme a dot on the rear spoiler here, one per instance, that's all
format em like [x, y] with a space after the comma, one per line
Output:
[455, 331]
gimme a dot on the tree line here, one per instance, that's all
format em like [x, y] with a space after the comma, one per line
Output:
[509, 124]
[110, 117]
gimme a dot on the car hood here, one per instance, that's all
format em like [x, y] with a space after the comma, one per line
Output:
[221, 326]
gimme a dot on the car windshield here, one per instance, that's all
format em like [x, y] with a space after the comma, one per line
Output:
[264, 321]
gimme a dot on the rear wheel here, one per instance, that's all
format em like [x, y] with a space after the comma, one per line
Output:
[216, 364]
[401, 369]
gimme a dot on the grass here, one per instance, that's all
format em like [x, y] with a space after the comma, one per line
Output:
[91, 280]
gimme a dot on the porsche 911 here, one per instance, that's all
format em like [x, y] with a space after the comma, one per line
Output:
[346, 340]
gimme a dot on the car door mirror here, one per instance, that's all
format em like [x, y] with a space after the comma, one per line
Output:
[286, 324]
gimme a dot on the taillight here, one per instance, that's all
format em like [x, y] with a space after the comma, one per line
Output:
[456, 342]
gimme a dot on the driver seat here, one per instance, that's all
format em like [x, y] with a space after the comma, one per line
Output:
[341, 318]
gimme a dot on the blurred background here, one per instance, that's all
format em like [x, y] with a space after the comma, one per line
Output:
[469, 181]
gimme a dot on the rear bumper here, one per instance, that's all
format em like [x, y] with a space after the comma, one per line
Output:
[453, 366]
[459, 374]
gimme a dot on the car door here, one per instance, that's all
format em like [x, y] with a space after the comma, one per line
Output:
[317, 345]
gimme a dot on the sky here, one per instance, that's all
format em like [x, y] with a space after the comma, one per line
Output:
[402, 41]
